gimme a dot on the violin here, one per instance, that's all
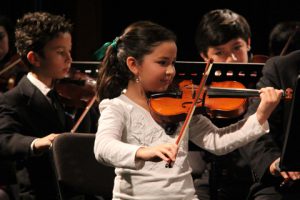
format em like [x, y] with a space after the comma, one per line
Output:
[76, 89]
[172, 107]
[225, 99]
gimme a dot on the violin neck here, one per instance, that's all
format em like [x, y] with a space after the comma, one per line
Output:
[220, 92]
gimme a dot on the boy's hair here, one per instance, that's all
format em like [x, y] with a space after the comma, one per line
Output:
[218, 27]
[281, 33]
[35, 30]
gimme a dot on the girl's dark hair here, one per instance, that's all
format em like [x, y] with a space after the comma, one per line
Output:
[138, 40]
[220, 26]
[35, 30]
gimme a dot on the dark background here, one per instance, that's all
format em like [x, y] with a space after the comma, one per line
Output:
[99, 21]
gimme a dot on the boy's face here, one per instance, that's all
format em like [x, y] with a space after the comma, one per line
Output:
[236, 50]
[56, 60]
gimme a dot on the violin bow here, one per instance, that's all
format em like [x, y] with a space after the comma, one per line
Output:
[193, 106]
[86, 110]
[10, 66]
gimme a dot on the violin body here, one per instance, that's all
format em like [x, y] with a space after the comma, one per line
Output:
[76, 89]
[174, 109]
[226, 107]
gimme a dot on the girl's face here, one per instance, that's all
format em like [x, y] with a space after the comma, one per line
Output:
[235, 50]
[56, 60]
[157, 70]
[4, 42]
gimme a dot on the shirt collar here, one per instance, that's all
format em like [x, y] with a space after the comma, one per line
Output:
[39, 84]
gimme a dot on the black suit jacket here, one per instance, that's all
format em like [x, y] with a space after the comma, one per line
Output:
[7, 167]
[281, 73]
[26, 114]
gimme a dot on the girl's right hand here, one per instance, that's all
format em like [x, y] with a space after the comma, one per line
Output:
[166, 152]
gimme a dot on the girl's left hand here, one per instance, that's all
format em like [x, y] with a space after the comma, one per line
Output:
[270, 98]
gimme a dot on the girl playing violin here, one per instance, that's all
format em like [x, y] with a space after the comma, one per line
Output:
[138, 62]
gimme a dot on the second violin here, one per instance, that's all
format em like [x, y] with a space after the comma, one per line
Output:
[76, 89]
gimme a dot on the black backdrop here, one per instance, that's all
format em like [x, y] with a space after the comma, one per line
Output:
[98, 21]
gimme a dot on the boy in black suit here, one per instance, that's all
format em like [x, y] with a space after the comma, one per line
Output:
[30, 118]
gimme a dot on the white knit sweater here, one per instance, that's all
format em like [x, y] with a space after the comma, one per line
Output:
[125, 126]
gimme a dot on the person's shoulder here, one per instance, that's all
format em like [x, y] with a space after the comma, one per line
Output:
[281, 69]
[294, 53]
[292, 56]
[17, 95]
[12, 97]
[291, 59]
[119, 103]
